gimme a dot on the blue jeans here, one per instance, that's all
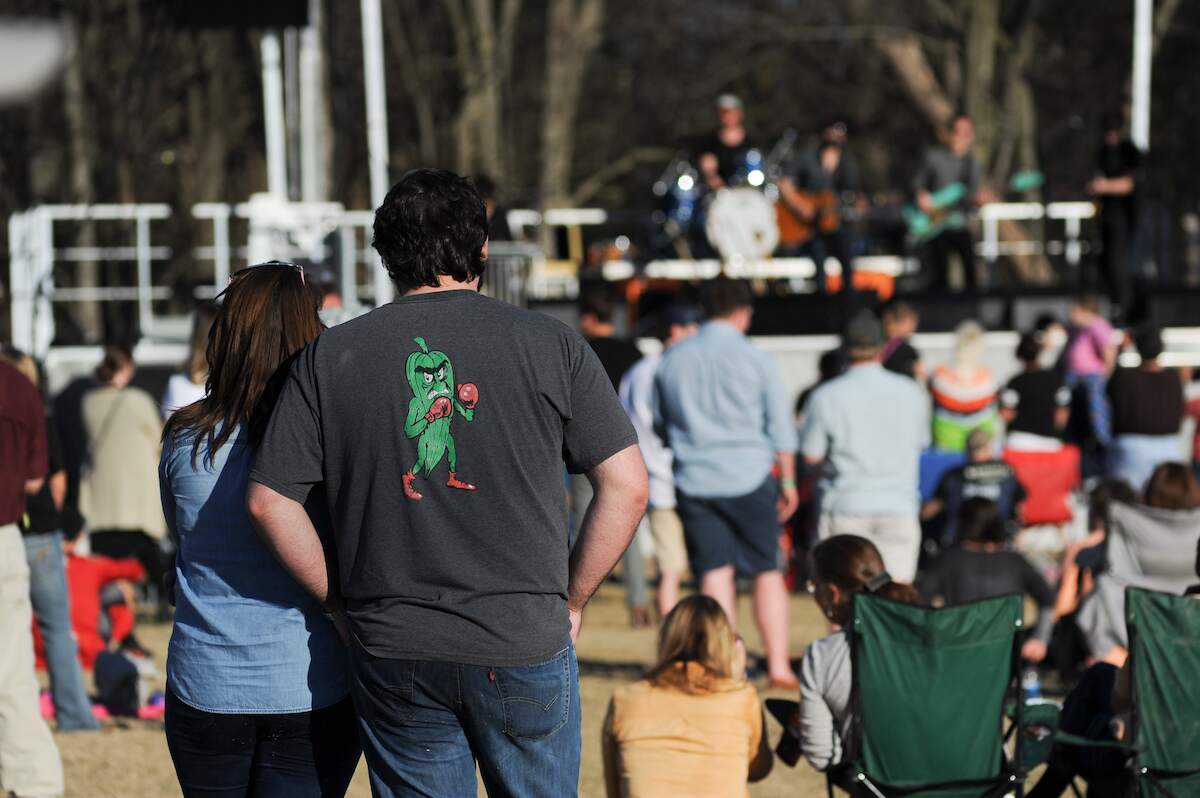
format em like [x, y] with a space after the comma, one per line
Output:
[424, 725]
[1099, 412]
[1133, 458]
[51, 604]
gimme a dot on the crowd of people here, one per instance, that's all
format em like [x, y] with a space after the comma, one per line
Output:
[361, 528]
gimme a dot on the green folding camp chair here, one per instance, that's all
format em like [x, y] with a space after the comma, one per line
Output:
[1164, 657]
[929, 697]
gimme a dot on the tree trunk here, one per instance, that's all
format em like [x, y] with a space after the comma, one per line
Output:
[81, 134]
[983, 30]
[1021, 144]
[489, 126]
[573, 33]
[904, 53]
[404, 30]
[480, 122]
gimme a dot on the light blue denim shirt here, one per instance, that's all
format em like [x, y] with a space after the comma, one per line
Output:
[720, 405]
[247, 637]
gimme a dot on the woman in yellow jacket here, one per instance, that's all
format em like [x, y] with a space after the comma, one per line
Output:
[693, 726]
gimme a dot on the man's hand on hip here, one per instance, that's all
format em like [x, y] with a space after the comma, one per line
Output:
[576, 623]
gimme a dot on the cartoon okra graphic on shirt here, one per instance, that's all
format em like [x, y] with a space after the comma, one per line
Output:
[430, 412]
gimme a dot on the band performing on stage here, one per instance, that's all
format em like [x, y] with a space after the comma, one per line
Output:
[733, 197]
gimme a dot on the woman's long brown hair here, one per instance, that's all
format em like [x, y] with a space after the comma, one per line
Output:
[267, 316]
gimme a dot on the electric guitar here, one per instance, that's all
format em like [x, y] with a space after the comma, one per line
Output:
[948, 213]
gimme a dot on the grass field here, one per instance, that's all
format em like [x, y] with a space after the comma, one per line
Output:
[131, 760]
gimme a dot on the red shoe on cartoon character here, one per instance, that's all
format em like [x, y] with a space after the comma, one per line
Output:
[409, 490]
[455, 482]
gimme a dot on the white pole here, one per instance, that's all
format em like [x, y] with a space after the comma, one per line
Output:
[1143, 37]
[311, 172]
[273, 120]
[43, 285]
[377, 133]
[292, 110]
[20, 275]
[221, 255]
[145, 308]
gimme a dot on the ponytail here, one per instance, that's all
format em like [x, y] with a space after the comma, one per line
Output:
[854, 565]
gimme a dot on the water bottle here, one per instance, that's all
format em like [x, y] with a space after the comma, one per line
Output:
[1031, 685]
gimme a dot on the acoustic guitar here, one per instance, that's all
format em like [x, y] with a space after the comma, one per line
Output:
[824, 212]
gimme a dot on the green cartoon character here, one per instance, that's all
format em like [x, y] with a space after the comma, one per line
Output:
[431, 377]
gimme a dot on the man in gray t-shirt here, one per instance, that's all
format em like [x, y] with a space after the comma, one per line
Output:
[438, 426]
[949, 183]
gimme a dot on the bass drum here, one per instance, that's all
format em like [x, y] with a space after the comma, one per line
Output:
[741, 224]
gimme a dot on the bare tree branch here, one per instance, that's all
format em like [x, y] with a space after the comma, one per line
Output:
[593, 183]
[1162, 23]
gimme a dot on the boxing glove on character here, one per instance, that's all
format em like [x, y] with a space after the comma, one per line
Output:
[468, 394]
[439, 409]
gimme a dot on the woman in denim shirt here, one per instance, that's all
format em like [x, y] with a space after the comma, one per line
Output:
[257, 685]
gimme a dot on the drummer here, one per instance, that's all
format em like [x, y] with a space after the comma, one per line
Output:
[720, 156]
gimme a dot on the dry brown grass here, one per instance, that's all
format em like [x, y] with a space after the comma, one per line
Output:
[131, 761]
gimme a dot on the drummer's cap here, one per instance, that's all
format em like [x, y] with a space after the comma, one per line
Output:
[864, 332]
[729, 102]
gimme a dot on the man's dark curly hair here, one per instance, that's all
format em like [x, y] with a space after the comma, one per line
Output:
[431, 223]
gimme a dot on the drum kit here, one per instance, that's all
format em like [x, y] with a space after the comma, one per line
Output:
[740, 221]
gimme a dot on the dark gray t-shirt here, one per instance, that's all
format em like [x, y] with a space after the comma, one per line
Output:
[434, 383]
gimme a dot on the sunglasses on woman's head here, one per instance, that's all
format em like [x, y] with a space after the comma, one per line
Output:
[274, 264]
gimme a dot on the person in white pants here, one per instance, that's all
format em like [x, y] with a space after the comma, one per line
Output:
[29, 763]
[866, 430]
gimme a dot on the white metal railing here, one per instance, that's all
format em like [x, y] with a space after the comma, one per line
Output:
[326, 232]
[1071, 214]
[32, 273]
[766, 268]
[321, 232]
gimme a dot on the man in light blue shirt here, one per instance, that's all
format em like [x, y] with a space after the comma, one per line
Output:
[867, 428]
[721, 407]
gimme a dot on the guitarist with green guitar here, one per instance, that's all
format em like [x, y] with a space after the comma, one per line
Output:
[946, 187]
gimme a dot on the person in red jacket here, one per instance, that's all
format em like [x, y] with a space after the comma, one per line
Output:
[87, 578]
[99, 585]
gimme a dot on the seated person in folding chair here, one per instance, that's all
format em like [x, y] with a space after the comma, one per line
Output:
[1172, 487]
[841, 566]
[980, 566]
[1083, 560]
[1098, 709]
[983, 476]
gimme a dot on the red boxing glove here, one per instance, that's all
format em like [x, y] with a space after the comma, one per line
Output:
[439, 409]
[468, 394]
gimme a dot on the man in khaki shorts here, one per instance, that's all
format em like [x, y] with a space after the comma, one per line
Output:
[676, 323]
